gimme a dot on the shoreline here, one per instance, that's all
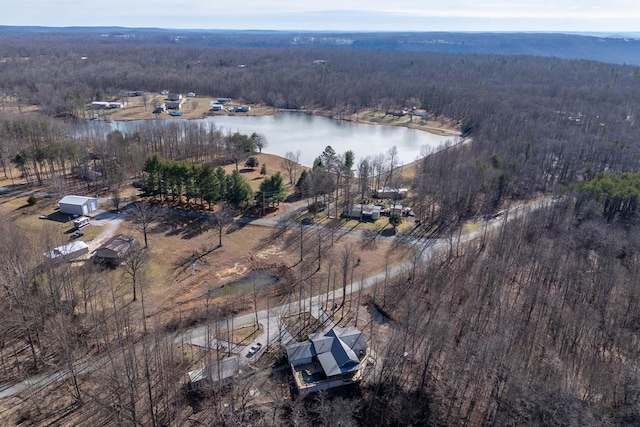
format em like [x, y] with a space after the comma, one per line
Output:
[366, 116]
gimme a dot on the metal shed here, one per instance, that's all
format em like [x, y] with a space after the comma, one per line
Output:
[78, 205]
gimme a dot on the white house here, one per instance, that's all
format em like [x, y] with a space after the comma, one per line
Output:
[78, 205]
[103, 105]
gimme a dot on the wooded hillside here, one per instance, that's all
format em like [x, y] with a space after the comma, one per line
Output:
[533, 323]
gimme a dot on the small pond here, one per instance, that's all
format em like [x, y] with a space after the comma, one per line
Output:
[255, 280]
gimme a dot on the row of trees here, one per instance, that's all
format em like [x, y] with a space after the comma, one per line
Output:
[617, 195]
[52, 151]
[177, 179]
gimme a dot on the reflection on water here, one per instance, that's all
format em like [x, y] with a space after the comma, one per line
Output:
[311, 134]
[254, 280]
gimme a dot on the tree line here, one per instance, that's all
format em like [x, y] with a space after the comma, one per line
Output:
[176, 180]
[537, 124]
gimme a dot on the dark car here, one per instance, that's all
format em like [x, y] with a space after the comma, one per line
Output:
[77, 235]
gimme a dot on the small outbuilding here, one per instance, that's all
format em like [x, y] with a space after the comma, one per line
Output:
[78, 205]
[115, 249]
[364, 212]
[68, 252]
[214, 373]
[396, 210]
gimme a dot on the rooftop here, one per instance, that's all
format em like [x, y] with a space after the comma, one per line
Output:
[118, 243]
[75, 200]
[68, 249]
[338, 350]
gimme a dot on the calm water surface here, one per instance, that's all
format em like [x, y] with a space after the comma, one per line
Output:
[311, 134]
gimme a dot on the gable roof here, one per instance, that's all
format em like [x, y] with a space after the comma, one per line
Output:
[337, 350]
[75, 200]
[119, 243]
[299, 353]
[228, 368]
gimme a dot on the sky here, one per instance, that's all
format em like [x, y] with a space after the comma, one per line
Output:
[613, 16]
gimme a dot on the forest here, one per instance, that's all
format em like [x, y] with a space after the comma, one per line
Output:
[532, 323]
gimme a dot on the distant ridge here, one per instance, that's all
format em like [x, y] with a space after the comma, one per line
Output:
[615, 48]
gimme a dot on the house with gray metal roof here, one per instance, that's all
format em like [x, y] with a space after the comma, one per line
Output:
[329, 359]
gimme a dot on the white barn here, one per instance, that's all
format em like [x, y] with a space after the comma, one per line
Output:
[78, 205]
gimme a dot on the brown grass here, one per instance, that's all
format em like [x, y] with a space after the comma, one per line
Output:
[193, 108]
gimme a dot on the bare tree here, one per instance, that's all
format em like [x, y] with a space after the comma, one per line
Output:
[116, 199]
[60, 328]
[134, 264]
[143, 215]
[260, 140]
[291, 163]
[347, 262]
[222, 218]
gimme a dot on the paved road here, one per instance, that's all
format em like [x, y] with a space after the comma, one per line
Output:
[272, 318]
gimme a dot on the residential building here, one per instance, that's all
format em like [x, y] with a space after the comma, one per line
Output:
[329, 359]
[391, 193]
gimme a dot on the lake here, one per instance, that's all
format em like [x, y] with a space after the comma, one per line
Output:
[311, 134]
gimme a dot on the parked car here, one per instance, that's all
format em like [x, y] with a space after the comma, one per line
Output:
[175, 113]
[254, 349]
[77, 235]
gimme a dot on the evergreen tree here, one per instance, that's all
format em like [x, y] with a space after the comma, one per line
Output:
[151, 186]
[238, 190]
[272, 191]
